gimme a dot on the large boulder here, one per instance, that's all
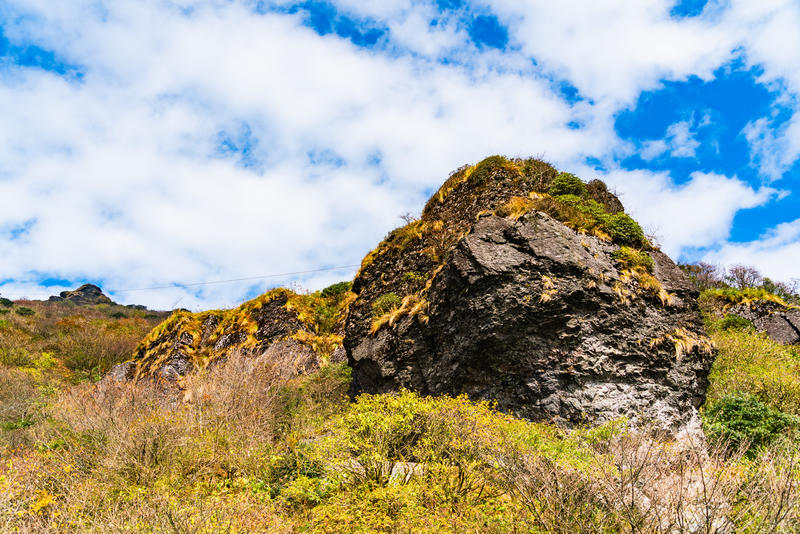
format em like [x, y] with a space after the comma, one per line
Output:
[489, 296]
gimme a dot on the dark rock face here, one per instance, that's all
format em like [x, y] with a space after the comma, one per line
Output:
[87, 294]
[780, 323]
[541, 319]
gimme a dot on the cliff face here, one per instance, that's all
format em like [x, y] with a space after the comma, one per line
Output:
[548, 300]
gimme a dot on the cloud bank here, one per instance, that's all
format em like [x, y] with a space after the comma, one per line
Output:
[149, 142]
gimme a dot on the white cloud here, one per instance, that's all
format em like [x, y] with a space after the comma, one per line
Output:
[679, 142]
[775, 253]
[696, 214]
[123, 177]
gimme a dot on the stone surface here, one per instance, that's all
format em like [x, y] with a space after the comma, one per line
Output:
[527, 313]
[780, 323]
[87, 294]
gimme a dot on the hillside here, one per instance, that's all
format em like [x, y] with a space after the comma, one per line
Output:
[508, 362]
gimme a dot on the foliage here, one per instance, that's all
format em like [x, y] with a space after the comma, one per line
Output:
[744, 421]
[625, 231]
[336, 290]
[733, 322]
[6, 302]
[729, 296]
[25, 311]
[386, 303]
[633, 259]
[567, 184]
[751, 363]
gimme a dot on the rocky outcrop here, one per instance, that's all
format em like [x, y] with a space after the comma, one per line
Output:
[87, 294]
[489, 296]
[780, 322]
[294, 332]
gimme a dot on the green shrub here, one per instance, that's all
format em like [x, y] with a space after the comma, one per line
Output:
[625, 231]
[743, 421]
[567, 184]
[6, 302]
[386, 303]
[584, 205]
[734, 322]
[336, 290]
[4, 312]
[633, 259]
[118, 315]
[25, 312]
[3, 323]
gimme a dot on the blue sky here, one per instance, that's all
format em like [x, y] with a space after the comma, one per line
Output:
[147, 142]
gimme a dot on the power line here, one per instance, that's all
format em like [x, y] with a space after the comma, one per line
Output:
[194, 284]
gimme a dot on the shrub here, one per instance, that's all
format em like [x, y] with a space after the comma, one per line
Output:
[633, 259]
[117, 315]
[734, 322]
[336, 290]
[3, 323]
[625, 231]
[744, 421]
[386, 303]
[25, 312]
[4, 312]
[567, 184]
[6, 302]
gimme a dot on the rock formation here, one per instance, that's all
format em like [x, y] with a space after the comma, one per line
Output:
[87, 294]
[525, 287]
[779, 321]
[294, 332]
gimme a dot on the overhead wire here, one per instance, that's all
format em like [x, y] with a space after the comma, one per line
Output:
[245, 279]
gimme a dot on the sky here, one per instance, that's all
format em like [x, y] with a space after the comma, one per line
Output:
[152, 143]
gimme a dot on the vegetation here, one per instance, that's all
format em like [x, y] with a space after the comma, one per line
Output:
[745, 421]
[386, 303]
[298, 456]
[567, 184]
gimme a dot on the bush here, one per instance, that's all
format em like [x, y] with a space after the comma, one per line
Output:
[567, 184]
[744, 421]
[625, 231]
[6, 302]
[734, 322]
[386, 303]
[336, 290]
[629, 258]
[25, 312]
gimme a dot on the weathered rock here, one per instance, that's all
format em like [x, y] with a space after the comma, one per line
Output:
[781, 323]
[279, 326]
[121, 372]
[87, 294]
[534, 316]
